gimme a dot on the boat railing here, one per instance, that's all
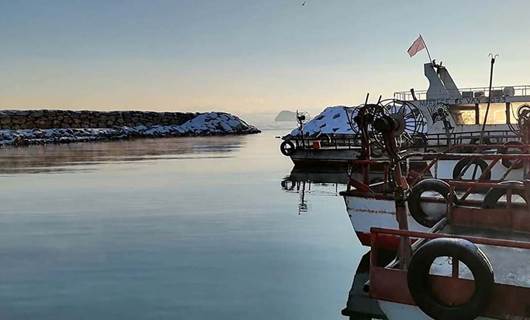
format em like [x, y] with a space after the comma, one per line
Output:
[441, 139]
[381, 233]
[474, 92]
[364, 185]
[461, 137]
[376, 232]
[514, 160]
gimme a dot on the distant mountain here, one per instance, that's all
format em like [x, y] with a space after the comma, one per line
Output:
[286, 116]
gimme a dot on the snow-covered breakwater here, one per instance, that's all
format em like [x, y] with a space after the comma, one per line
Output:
[198, 124]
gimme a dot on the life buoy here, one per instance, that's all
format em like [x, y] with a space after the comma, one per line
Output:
[464, 251]
[517, 164]
[287, 148]
[414, 200]
[491, 199]
[463, 163]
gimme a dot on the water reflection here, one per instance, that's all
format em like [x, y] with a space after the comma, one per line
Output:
[359, 305]
[323, 182]
[62, 158]
[187, 238]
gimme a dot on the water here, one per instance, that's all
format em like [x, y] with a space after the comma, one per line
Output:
[180, 228]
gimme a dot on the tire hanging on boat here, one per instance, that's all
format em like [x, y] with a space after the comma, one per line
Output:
[517, 164]
[419, 284]
[287, 148]
[492, 197]
[463, 163]
[414, 200]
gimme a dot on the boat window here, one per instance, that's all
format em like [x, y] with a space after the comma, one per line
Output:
[496, 115]
[464, 114]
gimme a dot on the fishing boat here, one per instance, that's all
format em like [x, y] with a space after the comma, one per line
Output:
[434, 120]
[328, 140]
[372, 204]
[472, 263]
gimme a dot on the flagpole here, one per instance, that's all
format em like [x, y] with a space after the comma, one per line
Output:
[426, 48]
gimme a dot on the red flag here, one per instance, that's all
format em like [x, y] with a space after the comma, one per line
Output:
[416, 46]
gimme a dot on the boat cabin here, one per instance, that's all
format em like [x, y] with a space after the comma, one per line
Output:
[449, 109]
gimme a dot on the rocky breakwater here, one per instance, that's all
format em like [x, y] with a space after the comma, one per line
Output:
[57, 126]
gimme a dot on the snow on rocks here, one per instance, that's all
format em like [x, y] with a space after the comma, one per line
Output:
[210, 123]
[333, 120]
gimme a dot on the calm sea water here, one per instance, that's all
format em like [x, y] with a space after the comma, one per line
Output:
[181, 228]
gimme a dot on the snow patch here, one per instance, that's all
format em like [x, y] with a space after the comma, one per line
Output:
[333, 120]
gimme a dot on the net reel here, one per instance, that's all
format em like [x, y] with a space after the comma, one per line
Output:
[410, 120]
[361, 121]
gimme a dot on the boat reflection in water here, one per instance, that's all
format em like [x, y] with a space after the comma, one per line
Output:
[328, 182]
[314, 182]
[359, 305]
[75, 157]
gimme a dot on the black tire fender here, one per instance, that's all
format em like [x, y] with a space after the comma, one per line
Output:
[462, 163]
[287, 148]
[493, 195]
[506, 149]
[464, 251]
[414, 200]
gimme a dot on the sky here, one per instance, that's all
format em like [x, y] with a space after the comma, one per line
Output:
[246, 56]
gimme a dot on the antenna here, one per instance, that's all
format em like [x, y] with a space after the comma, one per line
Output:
[492, 62]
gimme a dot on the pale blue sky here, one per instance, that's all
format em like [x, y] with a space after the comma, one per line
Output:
[246, 56]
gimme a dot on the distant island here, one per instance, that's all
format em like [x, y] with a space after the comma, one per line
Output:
[286, 115]
[27, 127]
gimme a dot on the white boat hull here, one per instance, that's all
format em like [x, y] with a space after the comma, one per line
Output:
[366, 213]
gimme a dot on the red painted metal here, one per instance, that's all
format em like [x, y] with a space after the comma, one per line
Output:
[390, 284]
[385, 242]
[517, 220]
[469, 185]
[506, 302]
[478, 240]
[484, 184]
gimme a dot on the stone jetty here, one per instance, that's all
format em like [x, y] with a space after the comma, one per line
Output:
[26, 127]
